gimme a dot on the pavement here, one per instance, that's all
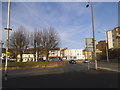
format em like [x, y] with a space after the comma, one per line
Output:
[109, 66]
[109, 69]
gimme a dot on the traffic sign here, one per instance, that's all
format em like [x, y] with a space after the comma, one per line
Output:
[7, 52]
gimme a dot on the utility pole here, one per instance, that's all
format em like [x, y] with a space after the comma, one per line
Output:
[1, 43]
[94, 44]
[7, 39]
[107, 47]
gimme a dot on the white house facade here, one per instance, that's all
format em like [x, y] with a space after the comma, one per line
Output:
[55, 53]
[75, 54]
[26, 57]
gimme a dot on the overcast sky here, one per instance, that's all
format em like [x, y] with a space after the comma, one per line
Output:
[72, 20]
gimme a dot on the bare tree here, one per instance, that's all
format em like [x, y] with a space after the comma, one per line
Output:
[50, 40]
[19, 40]
[36, 42]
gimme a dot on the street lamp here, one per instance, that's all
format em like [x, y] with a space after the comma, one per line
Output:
[94, 44]
[7, 38]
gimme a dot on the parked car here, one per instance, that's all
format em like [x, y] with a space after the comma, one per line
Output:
[72, 62]
[41, 60]
[86, 61]
[54, 58]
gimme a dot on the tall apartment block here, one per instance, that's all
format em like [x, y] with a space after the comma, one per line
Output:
[113, 37]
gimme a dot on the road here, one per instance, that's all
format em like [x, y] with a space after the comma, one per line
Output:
[43, 71]
[70, 76]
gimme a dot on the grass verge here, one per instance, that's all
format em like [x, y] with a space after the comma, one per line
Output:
[24, 64]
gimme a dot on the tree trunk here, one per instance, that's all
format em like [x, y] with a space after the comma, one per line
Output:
[47, 54]
[36, 55]
[21, 59]
[16, 54]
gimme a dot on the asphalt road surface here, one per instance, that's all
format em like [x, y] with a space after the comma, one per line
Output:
[43, 71]
[70, 76]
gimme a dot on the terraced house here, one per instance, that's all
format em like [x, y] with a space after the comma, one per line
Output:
[76, 54]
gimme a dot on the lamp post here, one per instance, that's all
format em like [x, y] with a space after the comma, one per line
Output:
[7, 38]
[94, 44]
